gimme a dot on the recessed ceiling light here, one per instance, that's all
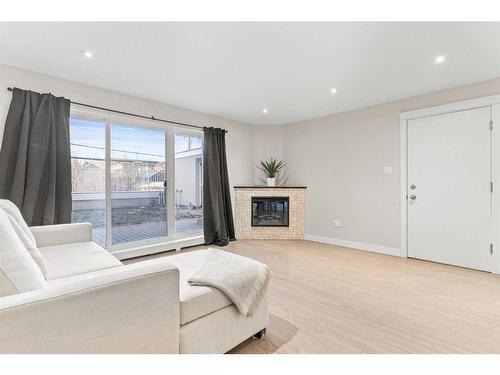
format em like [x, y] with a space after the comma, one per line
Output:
[333, 90]
[440, 59]
[265, 111]
[88, 54]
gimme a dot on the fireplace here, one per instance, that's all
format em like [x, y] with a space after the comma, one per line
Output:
[285, 220]
[270, 211]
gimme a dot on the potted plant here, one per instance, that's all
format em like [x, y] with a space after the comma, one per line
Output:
[271, 168]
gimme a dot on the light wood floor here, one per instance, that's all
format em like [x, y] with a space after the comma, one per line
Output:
[328, 299]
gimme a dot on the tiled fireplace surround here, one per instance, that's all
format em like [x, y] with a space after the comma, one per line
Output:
[243, 213]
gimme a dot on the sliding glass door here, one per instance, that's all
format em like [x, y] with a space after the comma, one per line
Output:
[88, 167]
[188, 185]
[138, 181]
[136, 184]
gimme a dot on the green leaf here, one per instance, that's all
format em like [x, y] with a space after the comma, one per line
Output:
[272, 167]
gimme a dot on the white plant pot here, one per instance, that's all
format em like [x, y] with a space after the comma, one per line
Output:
[271, 181]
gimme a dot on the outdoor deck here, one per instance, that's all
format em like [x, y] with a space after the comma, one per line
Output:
[136, 232]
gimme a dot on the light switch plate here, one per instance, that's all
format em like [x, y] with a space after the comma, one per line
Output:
[387, 170]
[336, 224]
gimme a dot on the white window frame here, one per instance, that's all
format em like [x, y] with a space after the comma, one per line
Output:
[153, 245]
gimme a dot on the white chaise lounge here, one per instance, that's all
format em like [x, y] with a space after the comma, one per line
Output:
[89, 302]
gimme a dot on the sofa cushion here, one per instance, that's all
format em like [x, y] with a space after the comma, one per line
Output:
[24, 233]
[196, 301]
[76, 258]
[18, 271]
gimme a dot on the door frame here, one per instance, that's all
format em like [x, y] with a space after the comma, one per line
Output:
[404, 117]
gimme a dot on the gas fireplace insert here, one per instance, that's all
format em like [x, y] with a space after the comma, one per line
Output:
[270, 211]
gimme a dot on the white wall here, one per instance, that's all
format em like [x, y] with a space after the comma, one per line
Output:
[268, 142]
[239, 138]
[340, 158]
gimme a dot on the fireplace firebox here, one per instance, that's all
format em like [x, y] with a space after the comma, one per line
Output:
[270, 211]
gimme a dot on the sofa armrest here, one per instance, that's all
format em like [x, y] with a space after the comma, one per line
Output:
[60, 234]
[129, 309]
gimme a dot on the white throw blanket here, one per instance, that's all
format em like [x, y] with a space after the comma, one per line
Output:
[242, 280]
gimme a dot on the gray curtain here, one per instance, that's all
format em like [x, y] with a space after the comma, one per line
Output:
[218, 225]
[35, 161]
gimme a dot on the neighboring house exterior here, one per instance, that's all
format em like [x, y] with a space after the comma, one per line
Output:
[188, 178]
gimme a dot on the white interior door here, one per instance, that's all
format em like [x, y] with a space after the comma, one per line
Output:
[449, 196]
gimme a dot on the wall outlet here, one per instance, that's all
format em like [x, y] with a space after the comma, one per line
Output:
[336, 224]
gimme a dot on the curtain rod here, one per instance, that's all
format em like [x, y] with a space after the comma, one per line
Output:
[131, 114]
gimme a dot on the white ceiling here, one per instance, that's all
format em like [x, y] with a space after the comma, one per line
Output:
[237, 69]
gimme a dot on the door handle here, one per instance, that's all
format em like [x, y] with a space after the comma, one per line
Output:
[413, 197]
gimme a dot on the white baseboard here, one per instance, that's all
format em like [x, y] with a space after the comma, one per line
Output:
[354, 245]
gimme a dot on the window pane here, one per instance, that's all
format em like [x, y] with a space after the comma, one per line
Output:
[188, 190]
[181, 143]
[137, 184]
[88, 180]
[195, 143]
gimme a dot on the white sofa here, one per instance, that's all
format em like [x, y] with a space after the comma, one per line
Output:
[89, 302]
